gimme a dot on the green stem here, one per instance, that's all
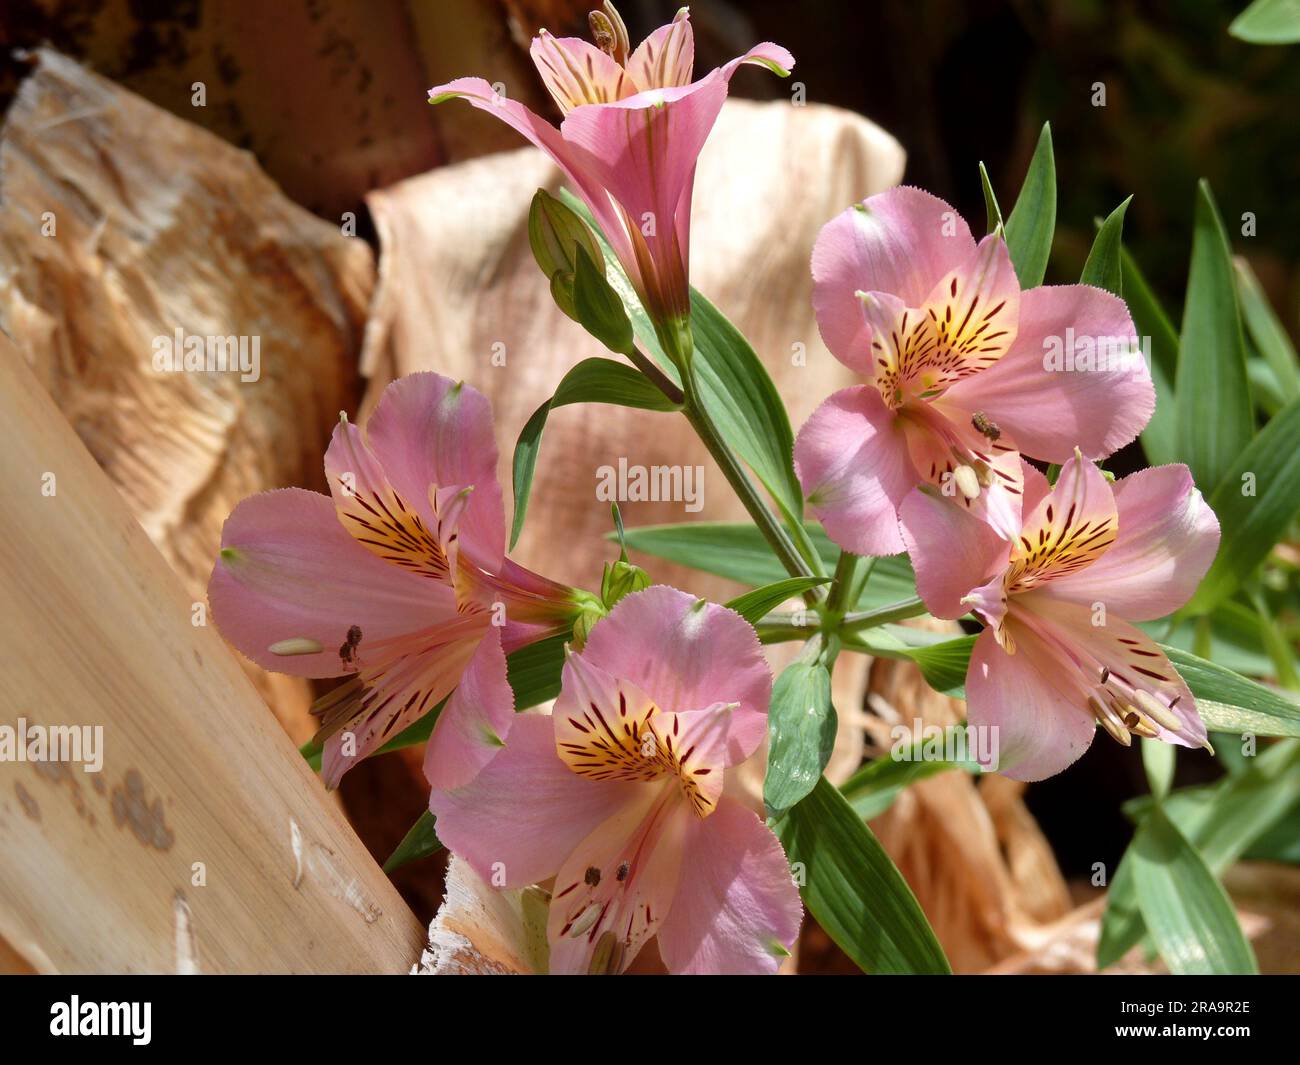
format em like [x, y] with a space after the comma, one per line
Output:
[773, 531]
[776, 629]
[860, 582]
[661, 380]
[870, 619]
[1275, 644]
[853, 641]
[845, 570]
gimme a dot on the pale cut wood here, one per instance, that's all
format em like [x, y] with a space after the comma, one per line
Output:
[98, 257]
[98, 870]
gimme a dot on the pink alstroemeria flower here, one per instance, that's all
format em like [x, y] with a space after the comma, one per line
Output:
[634, 126]
[399, 582]
[1059, 654]
[618, 795]
[964, 370]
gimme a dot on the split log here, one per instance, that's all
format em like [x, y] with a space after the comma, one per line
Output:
[122, 224]
[204, 843]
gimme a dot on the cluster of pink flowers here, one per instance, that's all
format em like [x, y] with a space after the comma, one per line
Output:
[398, 581]
[927, 456]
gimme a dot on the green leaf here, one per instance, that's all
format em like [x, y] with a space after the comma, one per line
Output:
[734, 385]
[754, 606]
[737, 551]
[1229, 702]
[1266, 331]
[1122, 927]
[1264, 389]
[1268, 22]
[854, 891]
[533, 672]
[1159, 759]
[992, 212]
[801, 725]
[1103, 267]
[420, 842]
[874, 787]
[1215, 417]
[591, 381]
[1032, 222]
[944, 664]
[745, 405]
[1191, 920]
[598, 306]
[1221, 820]
[1159, 438]
[1236, 638]
[1269, 466]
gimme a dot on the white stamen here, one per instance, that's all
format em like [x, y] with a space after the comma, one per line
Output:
[968, 482]
[1157, 711]
[298, 645]
[585, 920]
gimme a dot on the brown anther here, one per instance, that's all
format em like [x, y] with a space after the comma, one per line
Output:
[348, 652]
[610, 33]
[1139, 725]
[1106, 718]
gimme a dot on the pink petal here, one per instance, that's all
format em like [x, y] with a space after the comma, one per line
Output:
[525, 809]
[1051, 411]
[941, 437]
[289, 570]
[428, 430]
[973, 311]
[607, 728]
[853, 463]
[666, 58]
[601, 723]
[643, 150]
[535, 606]
[737, 911]
[1167, 539]
[478, 93]
[420, 482]
[577, 73]
[615, 888]
[773, 56]
[902, 242]
[1036, 487]
[1066, 532]
[952, 551]
[397, 682]
[1132, 660]
[688, 655]
[474, 724]
[1039, 711]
